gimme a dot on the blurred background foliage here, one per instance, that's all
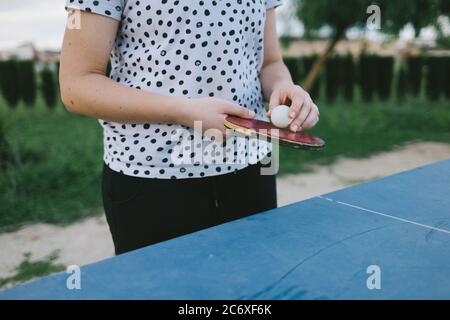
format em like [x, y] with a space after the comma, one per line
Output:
[50, 160]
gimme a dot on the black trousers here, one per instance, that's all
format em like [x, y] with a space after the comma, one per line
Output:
[143, 211]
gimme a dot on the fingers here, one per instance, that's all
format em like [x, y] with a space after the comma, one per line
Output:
[222, 127]
[297, 124]
[308, 118]
[311, 120]
[306, 112]
[300, 109]
[239, 111]
[296, 106]
[275, 99]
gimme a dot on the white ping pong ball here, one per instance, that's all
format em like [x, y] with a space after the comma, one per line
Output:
[280, 116]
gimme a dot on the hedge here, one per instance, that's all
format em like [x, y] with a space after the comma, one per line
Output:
[447, 77]
[340, 77]
[48, 88]
[308, 62]
[415, 75]
[27, 82]
[436, 77]
[333, 77]
[373, 74]
[295, 68]
[384, 75]
[4, 145]
[402, 82]
[367, 76]
[9, 82]
[349, 79]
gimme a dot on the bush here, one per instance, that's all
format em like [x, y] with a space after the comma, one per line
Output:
[295, 68]
[58, 65]
[9, 82]
[340, 77]
[333, 76]
[286, 41]
[349, 77]
[367, 76]
[447, 78]
[402, 82]
[4, 145]
[2, 72]
[384, 73]
[27, 82]
[307, 65]
[414, 75]
[435, 80]
[49, 87]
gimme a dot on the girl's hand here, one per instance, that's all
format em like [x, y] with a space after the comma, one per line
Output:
[302, 109]
[211, 112]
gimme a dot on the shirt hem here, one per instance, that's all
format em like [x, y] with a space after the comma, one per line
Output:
[174, 173]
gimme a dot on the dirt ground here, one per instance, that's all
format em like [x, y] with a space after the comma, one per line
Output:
[89, 240]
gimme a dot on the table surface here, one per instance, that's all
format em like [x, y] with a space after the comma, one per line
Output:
[320, 248]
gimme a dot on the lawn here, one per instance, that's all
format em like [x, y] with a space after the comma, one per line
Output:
[52, 169]
[53, 172]
[358, 131]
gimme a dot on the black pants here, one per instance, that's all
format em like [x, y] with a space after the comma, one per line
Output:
[143, 211]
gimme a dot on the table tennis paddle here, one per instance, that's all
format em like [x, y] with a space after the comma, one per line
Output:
[252, 127]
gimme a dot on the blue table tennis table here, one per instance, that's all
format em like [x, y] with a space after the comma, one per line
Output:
[320, 248]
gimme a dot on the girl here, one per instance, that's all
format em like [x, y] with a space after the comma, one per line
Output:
[177, 64]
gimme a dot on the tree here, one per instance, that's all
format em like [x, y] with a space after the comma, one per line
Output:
[415, 75]
[9, 82]
[340, 78]
[341, 15]
[384, 67]
[295, 68]
[367, 76]
[436, 74]
[48, 87]
[348, 67]
[308, 64]
[2, 72]
[4, 145]
[27, 81]
[447, 79]
[333, 72]
[401, 83]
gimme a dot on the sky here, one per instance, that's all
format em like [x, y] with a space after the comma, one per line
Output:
[39, 21]
[43, 22]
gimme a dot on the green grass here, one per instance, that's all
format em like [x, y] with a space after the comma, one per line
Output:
[358, 131]
[52, 172]
[28, 269]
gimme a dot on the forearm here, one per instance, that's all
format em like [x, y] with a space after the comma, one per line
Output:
[98, 96]
[272, 75]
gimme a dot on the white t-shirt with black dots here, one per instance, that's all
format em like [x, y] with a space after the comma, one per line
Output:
[191, 49]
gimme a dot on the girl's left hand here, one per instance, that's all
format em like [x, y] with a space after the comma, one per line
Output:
[302, 109]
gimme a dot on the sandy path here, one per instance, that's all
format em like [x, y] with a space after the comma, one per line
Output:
[346, 172]
[89, 240]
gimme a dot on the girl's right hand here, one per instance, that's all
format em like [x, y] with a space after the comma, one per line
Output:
[211, 112]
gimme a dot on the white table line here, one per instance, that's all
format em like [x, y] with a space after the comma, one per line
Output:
[385, 215]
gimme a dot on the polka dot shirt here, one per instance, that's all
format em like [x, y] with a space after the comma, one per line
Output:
[191, 49]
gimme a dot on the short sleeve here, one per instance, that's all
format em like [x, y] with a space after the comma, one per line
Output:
[273, 3]
[108, 8]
